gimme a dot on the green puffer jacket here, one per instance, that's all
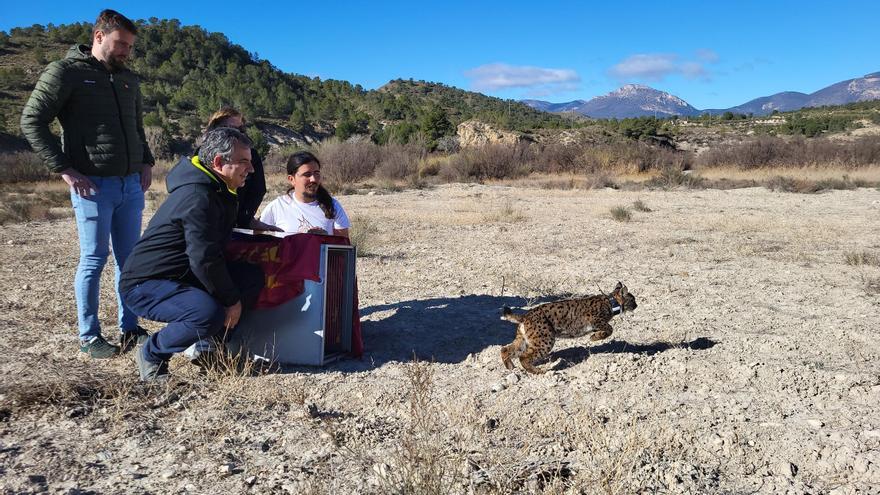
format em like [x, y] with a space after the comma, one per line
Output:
[100, 114]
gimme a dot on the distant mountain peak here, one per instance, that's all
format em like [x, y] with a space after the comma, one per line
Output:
[630, 100]
[634, 87]
[636, 100]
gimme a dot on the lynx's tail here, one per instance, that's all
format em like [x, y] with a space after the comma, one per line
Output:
[509, 315]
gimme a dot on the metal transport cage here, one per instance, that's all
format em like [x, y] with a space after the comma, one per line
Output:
[314, 328]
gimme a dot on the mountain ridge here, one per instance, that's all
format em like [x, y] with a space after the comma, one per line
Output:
[635, 100]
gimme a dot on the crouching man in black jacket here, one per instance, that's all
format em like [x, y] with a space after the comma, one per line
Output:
[177, 272]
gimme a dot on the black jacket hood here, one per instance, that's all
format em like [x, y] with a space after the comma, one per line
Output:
[187, 172]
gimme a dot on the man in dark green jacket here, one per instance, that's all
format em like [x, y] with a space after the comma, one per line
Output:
[102, 155]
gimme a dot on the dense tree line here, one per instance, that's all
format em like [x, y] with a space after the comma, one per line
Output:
[187, 73]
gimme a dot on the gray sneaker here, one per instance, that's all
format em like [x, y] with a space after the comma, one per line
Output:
[98, 348]
[150, 371]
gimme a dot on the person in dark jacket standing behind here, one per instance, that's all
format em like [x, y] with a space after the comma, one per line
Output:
[103, 156]
[177, 272]
[251, 194]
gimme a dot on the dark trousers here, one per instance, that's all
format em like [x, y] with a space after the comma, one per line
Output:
[191, 313]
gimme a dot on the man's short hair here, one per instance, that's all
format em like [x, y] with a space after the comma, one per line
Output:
[110, 20]
[221, 141]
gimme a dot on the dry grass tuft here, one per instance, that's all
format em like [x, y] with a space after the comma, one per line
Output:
[621, 214]
[638, 205]
[871, 284]
[428, 458]
[23, 166]
[362, 235]
[790, 184]
[862, 258]
[27, 202]
[22, 211]
[506, 214]
[71, 387]
[671, 177]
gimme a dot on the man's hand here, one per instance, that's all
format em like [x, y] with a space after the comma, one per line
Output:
[146, 177]
[233, 313]
[79, 183]
[258, 225]
[317, 230]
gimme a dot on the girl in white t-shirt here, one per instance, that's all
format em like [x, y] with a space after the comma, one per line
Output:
[307, 206]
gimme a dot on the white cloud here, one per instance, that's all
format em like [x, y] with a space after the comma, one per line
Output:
[707, 55]
[693, 70]
[646, 66]
[491, 77]
[657, 66]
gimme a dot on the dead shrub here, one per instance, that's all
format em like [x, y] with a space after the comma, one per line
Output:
[600, 180]
[426, 460]
[160, 173]
[458, 168]
[22, 211]
[805, 186]
[783, 184]
[275, 162]
[26, 202]
[159, 142]
[362, 234]
[621, 214]
[861, 258]
[347, 162]
[635, 157]
[559, 158]
[769, 151]
[24, 166]
[671, 177]
[64, 385]
[398, 162]
[506, 214]
[638, 205]
[871, 284]
[498, 161]
[557, 182]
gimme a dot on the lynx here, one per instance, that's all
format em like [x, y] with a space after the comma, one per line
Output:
[539, 327]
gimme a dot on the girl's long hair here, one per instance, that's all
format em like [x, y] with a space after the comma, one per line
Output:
[325, 201]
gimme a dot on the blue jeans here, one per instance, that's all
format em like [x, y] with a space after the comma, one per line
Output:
[112, 215]
[193, 315]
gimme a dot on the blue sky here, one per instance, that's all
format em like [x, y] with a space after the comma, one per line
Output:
[713, 54]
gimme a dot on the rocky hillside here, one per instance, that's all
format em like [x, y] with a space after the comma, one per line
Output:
[188, 72]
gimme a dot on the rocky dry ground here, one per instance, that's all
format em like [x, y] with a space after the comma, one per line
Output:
[750, 366]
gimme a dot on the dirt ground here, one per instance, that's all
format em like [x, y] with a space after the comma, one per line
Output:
[750, 365]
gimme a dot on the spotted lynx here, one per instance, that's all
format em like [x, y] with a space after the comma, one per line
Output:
[539, 327]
